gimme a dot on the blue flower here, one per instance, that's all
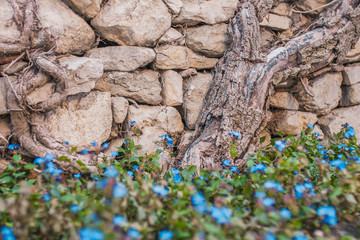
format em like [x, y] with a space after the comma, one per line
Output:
[296, 172]
[105, 145]
[329, 214]
[177, 178]
[114, 154]
[221, 215]
[233, 169]
[308, 185]
[93, 144]
[280, 145]
[285, 213]
[7, 233]
[85, 151]
[199, 203]
[273, 185]
[166, 235]
[66, 143]
[46, 197]
[111, 172]
[319, 147]
[267, 202]
[160, 190]
[91, 234]
[119, 220]
[13, 146]
[135, 167]
[300, 236]
[350, 133]
[256, 168]
[260, 195]
[269, 236]
[102, 183]
[75, 208]
[299, 190]
[201, 235]
[77, 175]
[133, 233]
[49, 157]
[227, 163]
[340, 164]
[130, 173]
[310, 126]
[119, 190]
[96, 178]
[39, 160]
[175, 171]
[236, 134]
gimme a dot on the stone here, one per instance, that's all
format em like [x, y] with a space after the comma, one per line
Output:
[41, 94]
[133, 22]
[5, 129]
[354, 54]
[283, 100]
[276, 22]
[174, 5]
[72, 33]
[291, 122]
[282, 9]
[171, 36]
[142, 86]
[172, 92]
[311, 4]
[120, 108]
[113, 146]
[3, 90]
[211, 41]
[210, 12]
[267, 37]
[331, 123]
[350, 95]
[327, 94]
[17, 66]
[266, 136]
[351, 74]
[88, 8]
[195, 90]
[198, 61]
[317, 129]
[120, 58]
[9, 32]
[154, 121]
[82, 121]
[171, 57]
[84, 71]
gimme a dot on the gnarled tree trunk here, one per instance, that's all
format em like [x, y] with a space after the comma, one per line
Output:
[237, 97]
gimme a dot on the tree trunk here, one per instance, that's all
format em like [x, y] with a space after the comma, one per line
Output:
[237, 97]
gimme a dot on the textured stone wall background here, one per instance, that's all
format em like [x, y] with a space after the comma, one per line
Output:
[151, 61]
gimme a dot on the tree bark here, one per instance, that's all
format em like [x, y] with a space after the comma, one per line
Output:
[237, 97]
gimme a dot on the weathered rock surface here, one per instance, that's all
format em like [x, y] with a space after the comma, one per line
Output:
[17, 66]
[350, 95]
[41, 94]
[331, 123]
[83, 120]
[88, 8]
[172, 92]
[120, 108]
[195, 91]
[174, 5]
[284, 100]
[282, 9]
[351, 74]
[311, 4]
[354, 54]
[122, 58]
[206, 11]
[84, 71]
[143, 86]
[9, 32]
[133, 22]
[3, 89]
[171, 36]
[291, 122]
[154, 121]
[198, 61]
[5, 129]
[209, 40]
[276, 22]
[327, 94]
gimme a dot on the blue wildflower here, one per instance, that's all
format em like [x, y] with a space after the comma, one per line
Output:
[310, 126]
[105, 145]
[339, 156]
[96, 178]
[166, 235]
[300, 236]
[350, 133]
[49, 157]
[77, 175]
[39, 160]
[273, 185]
[352, 148]
[102, 183]
[85, 151]
[267, 202]
[296, 172]
[130, 173]
[177, 178]
[175, 171]
[227, 163]
[257, 168]
[119, 220]
[114, 154]
[46, 197]
[93, 144]
[340, 164]
[133, 233]
[319, 147]
[260, 195]
[75, 208]
[119, 190]
[13, 146]
[280, 145]
[221, 215]
[269, 236]
[299, 190]
[236, 134]
[91, 234]
[201, 235]
[135, 167]
[201, 177]
[199, 203]
[111, 172]
[7, 233]
[285, 213]
[160, 190]
[308, 185]
[329, 214]
[233, 169]
[66, 143]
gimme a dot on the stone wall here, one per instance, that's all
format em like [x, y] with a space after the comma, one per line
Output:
[152, 62]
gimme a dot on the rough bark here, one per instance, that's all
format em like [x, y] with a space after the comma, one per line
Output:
[237, 97]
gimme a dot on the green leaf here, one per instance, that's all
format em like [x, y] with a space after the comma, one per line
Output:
[67, 198]
[73, 150]
[17, 158]
[6, 179]
[30, 166]
[80, 163]
[64, 159]
[233, 151]
[262, 139]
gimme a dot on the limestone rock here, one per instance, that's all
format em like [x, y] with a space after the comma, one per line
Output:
[354, 54]
[17, 66]
[291, 122]
[88, 8]
[205, 11]
[267, 138]
[171, 57]
[85, 72]
[122, 58]
[195, 91]
[171, 36]
[276, 22]
[73, 34]
[133, 22]
[351, 74]
[172, 88]
[120, 108]
[331, 123]
[174, 5]
[318, 130]
[198, 61]
[154, 121]
[82, 121]
[209, 40]
[9, 32]
[267, 37]
[142, 86]
[5, 129]
[284, 100]
[41, 94]
[282, 9]
[3, 90]
[311, 4]
[327, 91]
[350, 95]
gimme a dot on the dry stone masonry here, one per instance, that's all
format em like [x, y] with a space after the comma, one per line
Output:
[152, 62]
